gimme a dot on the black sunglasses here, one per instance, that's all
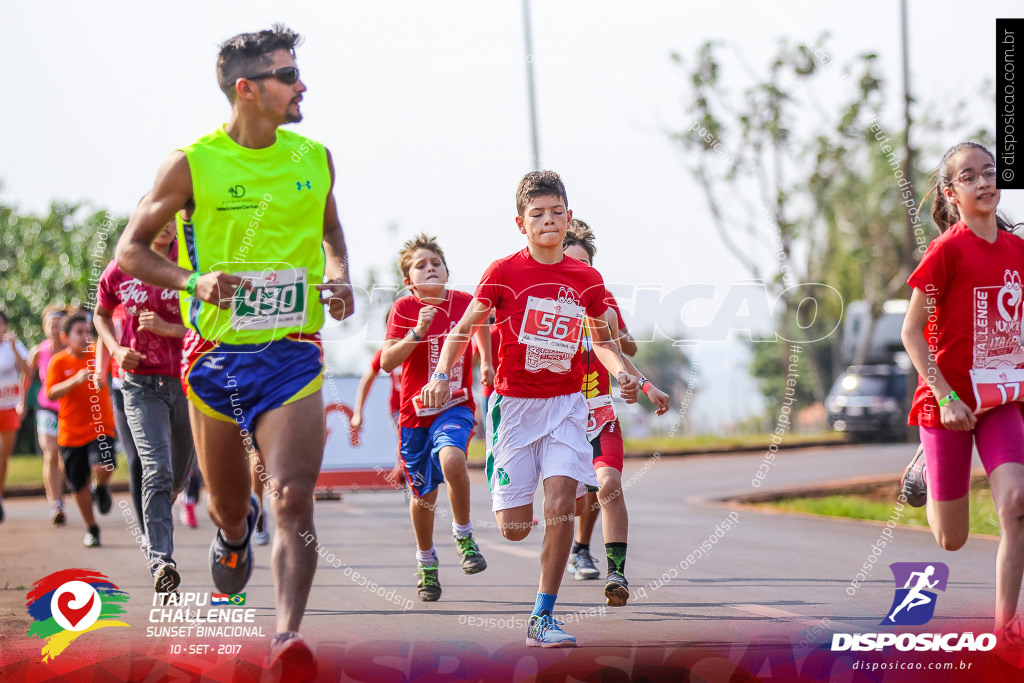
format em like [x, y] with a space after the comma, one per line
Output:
[286, 74]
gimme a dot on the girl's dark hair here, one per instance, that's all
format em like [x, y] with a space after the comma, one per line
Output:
[580, 234]
[943, 213]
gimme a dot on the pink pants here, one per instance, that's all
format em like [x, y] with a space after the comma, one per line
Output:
[999, 434]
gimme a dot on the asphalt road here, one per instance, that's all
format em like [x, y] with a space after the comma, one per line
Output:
[760, 578]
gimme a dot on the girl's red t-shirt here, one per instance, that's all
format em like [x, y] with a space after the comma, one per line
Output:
[974, 300]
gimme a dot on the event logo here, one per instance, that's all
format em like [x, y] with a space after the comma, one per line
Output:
[69, 603]
[914, 603]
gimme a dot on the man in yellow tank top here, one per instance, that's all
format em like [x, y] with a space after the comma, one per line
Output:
[261, 251]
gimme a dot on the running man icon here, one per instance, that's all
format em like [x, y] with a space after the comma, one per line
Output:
[919, 581]
[916, 597]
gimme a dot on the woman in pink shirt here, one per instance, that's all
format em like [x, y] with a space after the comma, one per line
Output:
[46, 416]
[148, 351]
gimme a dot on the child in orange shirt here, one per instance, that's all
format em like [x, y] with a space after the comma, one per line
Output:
[85, 427]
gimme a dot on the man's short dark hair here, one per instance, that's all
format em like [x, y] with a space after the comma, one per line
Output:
[247, 53]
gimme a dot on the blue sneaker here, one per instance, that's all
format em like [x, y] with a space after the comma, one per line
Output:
[231, 567]
[544, 631]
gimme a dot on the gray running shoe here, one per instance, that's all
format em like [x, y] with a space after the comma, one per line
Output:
[616, 591]
[428, 588]
[472, 559]
[581, 565]
[231, 567]
[913, 482]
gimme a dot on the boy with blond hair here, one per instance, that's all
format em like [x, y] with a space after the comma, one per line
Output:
[536, 421]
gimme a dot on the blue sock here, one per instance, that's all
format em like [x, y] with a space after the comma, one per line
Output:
[544, 602]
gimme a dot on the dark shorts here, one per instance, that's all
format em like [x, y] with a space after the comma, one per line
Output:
[239, 382]
[79, 460]
[421, 446]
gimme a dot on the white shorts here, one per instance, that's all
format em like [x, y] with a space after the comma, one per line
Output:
[46, 422]
[530, 437]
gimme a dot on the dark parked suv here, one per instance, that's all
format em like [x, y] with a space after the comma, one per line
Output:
[869, 402]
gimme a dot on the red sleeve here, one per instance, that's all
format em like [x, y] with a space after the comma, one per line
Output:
[594, 296]
[105, 295]
[609, 299]
[398, 322]
[932, 273]
[489, 289]
[375, 363]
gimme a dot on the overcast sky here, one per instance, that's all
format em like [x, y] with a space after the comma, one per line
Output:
[423, 107]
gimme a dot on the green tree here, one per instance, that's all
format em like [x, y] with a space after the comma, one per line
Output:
[53, 259]
[667, 366]
[811, 183]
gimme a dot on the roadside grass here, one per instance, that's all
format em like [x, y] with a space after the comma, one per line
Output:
[667, 444]
[878, 505]
[27, 470]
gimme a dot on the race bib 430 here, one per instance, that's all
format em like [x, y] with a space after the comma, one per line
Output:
[277, 299]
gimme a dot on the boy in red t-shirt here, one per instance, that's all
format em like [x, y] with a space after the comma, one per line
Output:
[433, 441]
[85, 426]
[537, 417]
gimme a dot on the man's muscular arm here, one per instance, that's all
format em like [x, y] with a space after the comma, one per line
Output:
[172, 191]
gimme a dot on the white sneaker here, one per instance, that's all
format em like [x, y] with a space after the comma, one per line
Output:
[260, 536]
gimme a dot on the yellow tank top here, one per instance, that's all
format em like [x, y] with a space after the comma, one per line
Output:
[259, 214]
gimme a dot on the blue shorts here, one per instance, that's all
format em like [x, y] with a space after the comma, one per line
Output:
[239, 382]
[421, 446]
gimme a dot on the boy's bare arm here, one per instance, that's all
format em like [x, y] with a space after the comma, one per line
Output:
[483, 345]
[172, 191]
[437, 392]
[610, 356]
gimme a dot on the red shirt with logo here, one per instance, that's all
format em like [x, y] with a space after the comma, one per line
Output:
[420, 365]
[539, 309]
[974, 300]
[162, 354]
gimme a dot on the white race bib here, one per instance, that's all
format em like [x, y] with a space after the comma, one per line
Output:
[994, 387]
[552, 325]
[602, 411]
[277, 299]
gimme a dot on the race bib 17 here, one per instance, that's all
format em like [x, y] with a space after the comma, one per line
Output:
[277, 299]
[993, 388]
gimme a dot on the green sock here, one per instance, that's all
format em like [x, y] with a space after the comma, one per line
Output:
[616, 557]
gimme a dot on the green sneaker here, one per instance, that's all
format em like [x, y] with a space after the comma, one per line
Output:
[472, 560]
[428, 587]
